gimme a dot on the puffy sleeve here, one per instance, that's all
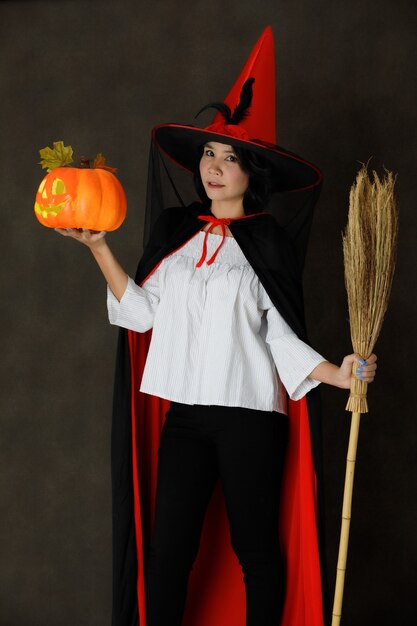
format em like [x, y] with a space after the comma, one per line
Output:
[137, 307]
[293, 358]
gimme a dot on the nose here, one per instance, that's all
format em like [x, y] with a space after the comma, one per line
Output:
[214, 167]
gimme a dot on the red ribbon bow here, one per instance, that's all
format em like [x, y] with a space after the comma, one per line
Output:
[215, 221]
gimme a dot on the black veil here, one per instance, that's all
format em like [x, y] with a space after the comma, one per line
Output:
[171, 185]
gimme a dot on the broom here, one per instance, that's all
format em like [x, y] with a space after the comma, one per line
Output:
[369, 248]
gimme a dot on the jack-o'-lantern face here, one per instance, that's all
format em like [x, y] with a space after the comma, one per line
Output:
[52, 196]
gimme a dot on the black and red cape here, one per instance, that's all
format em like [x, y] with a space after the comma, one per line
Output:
[216, 595]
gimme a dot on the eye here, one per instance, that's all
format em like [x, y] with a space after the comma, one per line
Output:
[233, 158]
[208, 152]
[58, 187]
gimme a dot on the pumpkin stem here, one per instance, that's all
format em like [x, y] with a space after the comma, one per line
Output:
[85, 162]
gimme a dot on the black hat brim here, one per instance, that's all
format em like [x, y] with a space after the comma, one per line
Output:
[183, 145]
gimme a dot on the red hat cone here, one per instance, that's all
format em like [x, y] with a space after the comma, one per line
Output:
[260, 65]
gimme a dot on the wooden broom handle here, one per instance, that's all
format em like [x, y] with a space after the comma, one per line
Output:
[346, 515]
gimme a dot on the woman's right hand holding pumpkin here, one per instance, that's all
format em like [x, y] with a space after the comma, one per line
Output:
[90, 238]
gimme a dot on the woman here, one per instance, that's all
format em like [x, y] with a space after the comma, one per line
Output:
[218, 342]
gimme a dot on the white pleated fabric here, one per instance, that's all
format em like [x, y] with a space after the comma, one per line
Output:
[217, 338]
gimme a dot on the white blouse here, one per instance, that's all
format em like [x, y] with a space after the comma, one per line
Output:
[217, 338]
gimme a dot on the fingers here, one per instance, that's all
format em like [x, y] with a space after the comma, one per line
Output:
[371, 359]
[366, 370]
[61, 231]
[70, 232]
[84, 235]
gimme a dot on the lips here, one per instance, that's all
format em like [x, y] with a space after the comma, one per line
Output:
[214, 185]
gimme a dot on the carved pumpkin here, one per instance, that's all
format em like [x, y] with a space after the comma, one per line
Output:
[70, 197]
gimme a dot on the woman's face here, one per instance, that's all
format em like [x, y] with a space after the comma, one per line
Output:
[221, 174]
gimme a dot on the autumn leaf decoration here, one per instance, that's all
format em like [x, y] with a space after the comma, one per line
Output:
[61, 155]
[58, 156]
[100, 162]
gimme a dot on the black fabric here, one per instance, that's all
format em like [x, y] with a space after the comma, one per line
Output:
[245, 449]
[124, 608]
[168, 186]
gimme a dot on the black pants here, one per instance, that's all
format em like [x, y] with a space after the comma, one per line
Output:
[245, 449]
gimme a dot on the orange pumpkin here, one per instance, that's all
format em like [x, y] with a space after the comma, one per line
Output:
[70, 197]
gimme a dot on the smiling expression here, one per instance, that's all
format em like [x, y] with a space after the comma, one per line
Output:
[221, 174]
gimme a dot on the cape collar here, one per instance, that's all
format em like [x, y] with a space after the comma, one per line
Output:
[217, 221]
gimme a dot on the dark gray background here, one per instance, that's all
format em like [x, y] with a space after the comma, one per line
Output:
[99, 75]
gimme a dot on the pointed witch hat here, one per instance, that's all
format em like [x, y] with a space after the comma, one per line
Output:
[250, 126]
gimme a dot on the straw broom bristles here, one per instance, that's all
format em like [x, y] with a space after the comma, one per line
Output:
[369, 247]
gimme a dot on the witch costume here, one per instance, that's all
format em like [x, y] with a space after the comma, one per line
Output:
[216, 355]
